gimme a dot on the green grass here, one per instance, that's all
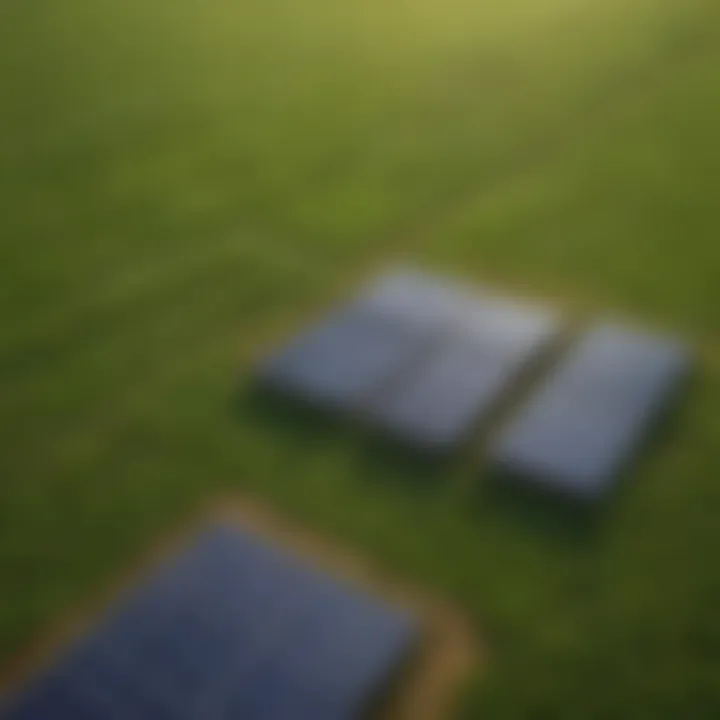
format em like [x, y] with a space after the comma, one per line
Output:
[181, 182]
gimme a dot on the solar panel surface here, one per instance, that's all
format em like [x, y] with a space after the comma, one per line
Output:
[590, 416]
[230, 629]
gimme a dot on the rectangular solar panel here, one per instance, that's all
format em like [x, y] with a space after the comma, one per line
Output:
[487, 344]
[231, 629]
[590, 416]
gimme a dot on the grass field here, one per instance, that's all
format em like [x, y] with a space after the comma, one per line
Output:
[183, 182]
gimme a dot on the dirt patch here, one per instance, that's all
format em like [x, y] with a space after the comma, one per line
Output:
[427, 687]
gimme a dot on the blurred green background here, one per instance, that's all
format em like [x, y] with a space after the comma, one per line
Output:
[183, 182]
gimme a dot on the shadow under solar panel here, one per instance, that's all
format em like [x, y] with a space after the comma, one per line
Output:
[591, 415]
[232, 629]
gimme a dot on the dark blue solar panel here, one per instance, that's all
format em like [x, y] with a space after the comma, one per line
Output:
[344, 648]
[346, 358]
[230, 629]
[487, 344]
[589, 418]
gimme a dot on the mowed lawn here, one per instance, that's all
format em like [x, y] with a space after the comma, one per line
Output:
[182, 182]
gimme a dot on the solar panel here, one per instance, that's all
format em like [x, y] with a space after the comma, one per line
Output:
[590, 416]
[487, 344]
[230, 629]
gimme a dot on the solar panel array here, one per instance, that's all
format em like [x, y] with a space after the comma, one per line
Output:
[231, 629]
[427, 361]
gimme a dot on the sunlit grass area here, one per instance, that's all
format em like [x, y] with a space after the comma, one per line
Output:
[183, 182]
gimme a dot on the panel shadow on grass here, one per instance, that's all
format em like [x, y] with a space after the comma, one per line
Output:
[297, 421]
[382, 459]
